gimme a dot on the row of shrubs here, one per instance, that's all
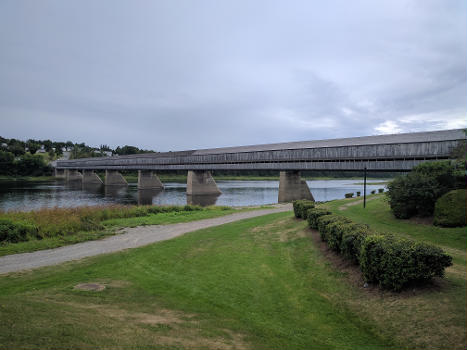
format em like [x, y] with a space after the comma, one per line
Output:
[391, 262]
[350, 194]
[23, 226]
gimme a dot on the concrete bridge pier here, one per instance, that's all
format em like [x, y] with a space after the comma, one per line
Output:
[148, 180]
[293, 187]
[201, 183]
[73, 175]
[114, 178]
[60, 173]
[91, 178]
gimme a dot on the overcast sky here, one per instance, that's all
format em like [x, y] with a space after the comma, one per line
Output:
[187, 74]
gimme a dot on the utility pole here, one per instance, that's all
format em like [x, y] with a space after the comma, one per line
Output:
[364, 187]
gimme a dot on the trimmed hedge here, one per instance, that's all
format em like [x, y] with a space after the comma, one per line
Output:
[333, 232]
[352, 239]
[450, 209]
[394, 263]
[301, 207]
[14, 232]
[313, 215]
[388, 261]
[348, 195]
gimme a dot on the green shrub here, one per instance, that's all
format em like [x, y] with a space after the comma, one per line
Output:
[352, 238]
[322, 222]
[301, 207]
[313, 215]
[450, 209]
[380, 190]
[416, 193]
[13, 232]
[358, 194]
[394, 263]
[349, 195]
[373, 192]
[334, 230]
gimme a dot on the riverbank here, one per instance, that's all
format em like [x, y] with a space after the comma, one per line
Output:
[262, 283]
[23, 232]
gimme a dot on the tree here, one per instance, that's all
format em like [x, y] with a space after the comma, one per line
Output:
[33, 146]
[416, 193]
[7, 166]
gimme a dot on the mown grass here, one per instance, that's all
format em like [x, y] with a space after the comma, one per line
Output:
[378, 215]
[62, 226]
[262, 283]
[256, 283]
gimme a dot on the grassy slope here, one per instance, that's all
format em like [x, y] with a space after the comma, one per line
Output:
[258, 283]
[249, 283]
[378, 215]
[111, 225]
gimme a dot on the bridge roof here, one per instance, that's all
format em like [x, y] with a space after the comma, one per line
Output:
[430, 136]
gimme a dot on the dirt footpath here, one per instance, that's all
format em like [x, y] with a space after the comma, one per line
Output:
[131, 238]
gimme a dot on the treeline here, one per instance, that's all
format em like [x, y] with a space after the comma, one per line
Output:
[57, 149]
[32, 157]
[24, 165]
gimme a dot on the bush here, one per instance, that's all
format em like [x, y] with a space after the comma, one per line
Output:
[416, 193]
[380, 190]
[358, 194]
[333, 232]
[301, 207]
[14, 232]
[313, 215]
[373, 192]
[353, 236]
[450, 209]
[394, 263]
[348, 195]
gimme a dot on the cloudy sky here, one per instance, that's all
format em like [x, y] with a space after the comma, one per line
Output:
[186, 74]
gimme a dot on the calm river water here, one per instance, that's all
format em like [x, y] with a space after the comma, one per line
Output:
[33, 195]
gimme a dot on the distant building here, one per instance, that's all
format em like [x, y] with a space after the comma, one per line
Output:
[107, 153]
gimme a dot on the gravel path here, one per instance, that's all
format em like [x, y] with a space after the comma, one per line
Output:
[131, 238]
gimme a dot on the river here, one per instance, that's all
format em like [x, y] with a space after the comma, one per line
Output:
[30, 195]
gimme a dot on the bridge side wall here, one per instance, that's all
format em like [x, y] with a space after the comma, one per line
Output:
[389, 157]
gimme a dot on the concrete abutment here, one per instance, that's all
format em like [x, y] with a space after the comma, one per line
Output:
[293, 187]
[73, 175]
[201, 183]
[91, 178]
[114, 178]
[148, 180]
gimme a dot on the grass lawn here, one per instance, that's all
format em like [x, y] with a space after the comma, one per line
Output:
[378, 215]
[110, 229]
[262, 283]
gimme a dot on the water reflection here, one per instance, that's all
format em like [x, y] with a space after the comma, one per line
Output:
[145, 197]
[94, 188]
[29, 195]
[116, 191]
[202, 200]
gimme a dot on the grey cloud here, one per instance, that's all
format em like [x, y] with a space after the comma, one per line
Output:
[174, 75]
